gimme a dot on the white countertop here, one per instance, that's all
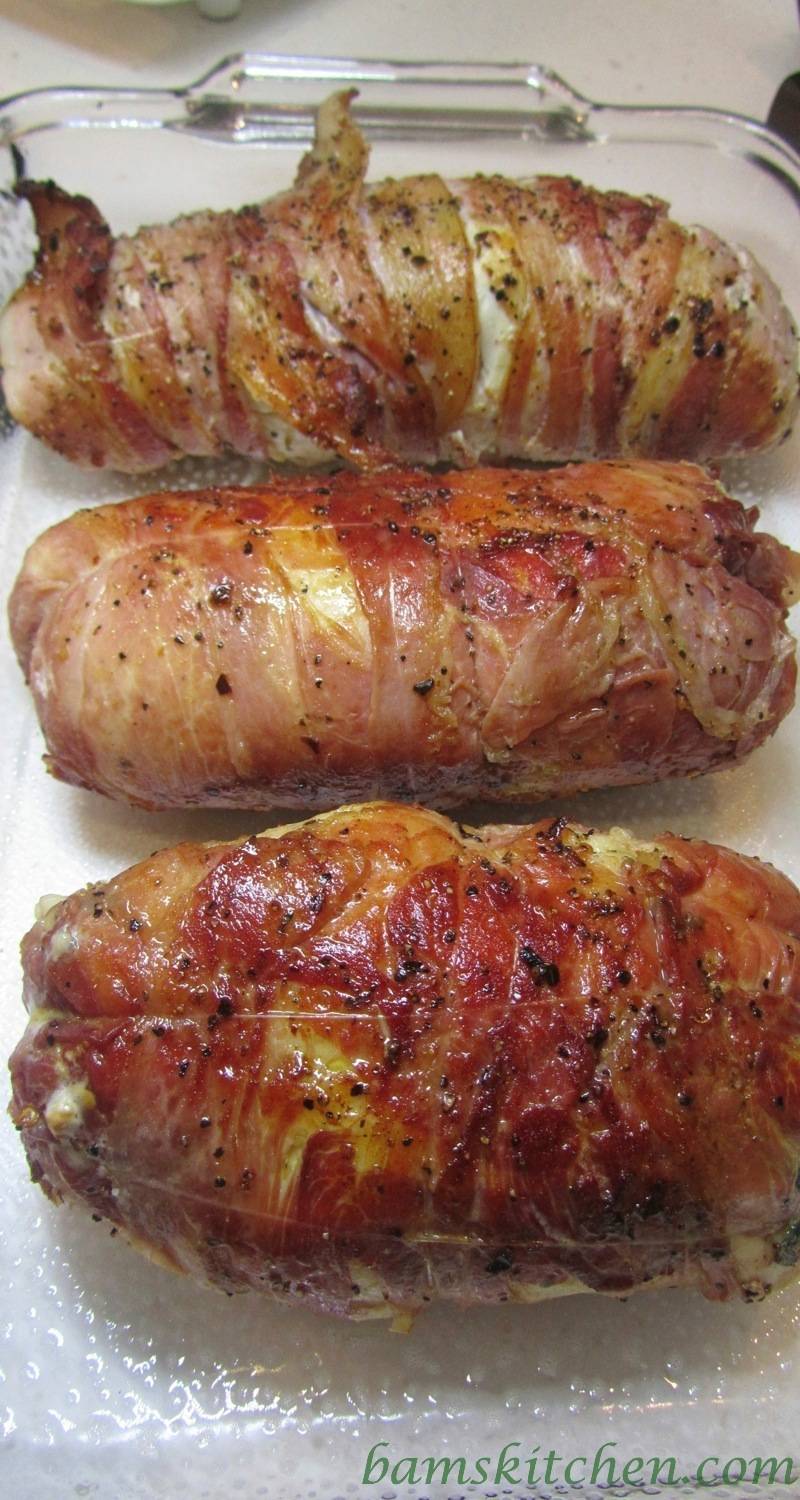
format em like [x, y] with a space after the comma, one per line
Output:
[732, 55]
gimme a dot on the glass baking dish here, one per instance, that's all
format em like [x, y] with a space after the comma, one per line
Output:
[116, 1378]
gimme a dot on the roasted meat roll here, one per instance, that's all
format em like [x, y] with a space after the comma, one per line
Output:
[485, 634]
[375, 1059]
[414, 320]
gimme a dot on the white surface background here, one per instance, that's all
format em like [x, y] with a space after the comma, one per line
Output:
[117, 1380]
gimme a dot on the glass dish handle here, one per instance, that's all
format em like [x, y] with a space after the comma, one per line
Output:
[254, 97]
[269, 98]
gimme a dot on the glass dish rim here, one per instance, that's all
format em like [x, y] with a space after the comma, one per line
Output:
[219, 105]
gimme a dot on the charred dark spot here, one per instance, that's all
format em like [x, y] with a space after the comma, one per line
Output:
[544, 972]
[501, 1262]
[787, 1250]
[597, 1037]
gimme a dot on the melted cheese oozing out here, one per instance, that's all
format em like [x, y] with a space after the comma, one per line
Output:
[62, 942]
[740, 291]
[67, 1106]
[132, 296]
[497, 334]
[756, 1267]
[287, 445]
[617, 848]
[530, 1292]
[323, 326]
[45, 909]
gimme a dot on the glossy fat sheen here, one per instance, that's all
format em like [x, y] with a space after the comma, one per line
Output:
[417, 320]
[487, 634]
[373, 1059]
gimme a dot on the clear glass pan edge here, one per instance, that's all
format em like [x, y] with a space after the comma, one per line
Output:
[266, 98]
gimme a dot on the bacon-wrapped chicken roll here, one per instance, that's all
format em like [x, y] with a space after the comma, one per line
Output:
[414, 320]
[373, 1059]
[495, 634]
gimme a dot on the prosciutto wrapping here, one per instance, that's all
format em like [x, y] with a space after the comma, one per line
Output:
[414, 320]
[375, 1059]
[492, 633]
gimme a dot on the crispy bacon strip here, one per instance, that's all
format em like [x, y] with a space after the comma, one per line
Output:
[418, 320]
[374, 1059]
[493, 633]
